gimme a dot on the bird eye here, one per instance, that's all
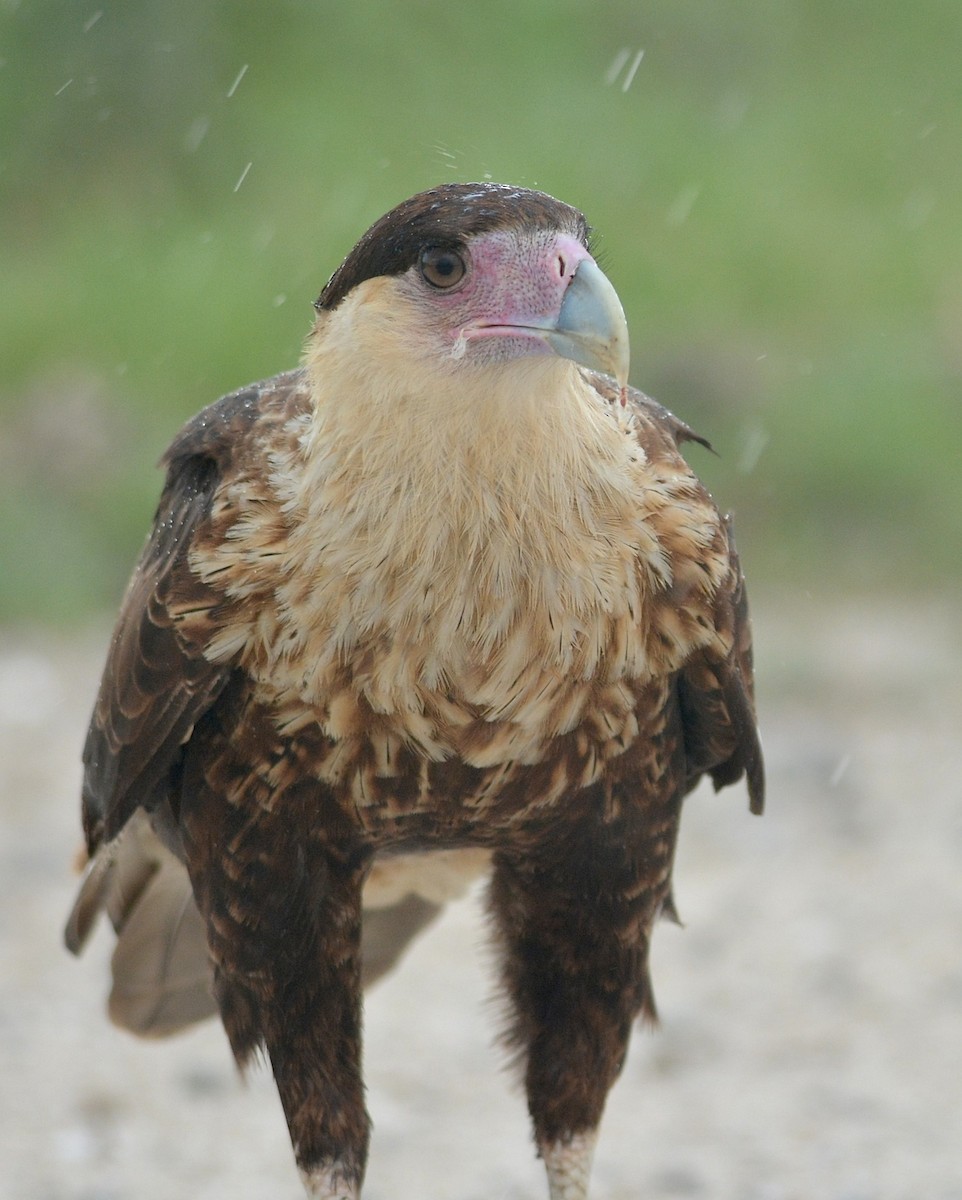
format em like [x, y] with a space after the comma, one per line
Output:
[442, 268]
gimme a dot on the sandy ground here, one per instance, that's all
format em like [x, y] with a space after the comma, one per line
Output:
[811, 1037]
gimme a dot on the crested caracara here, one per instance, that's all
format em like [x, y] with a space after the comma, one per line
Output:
[445, 600]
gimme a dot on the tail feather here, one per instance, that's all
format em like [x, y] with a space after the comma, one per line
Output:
[88, 905]
[160, 968]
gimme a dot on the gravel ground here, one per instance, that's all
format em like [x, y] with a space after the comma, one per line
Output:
[811, 1037]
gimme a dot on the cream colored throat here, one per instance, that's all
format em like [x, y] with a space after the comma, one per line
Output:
[471, 554]
[467, 501]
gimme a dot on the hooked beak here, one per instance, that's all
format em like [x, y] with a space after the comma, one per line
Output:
[591, 329]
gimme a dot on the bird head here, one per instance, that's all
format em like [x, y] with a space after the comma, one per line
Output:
[477, 274]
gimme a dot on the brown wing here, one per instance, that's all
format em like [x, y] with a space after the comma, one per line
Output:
[155, 685]
[716, 698]
[715, 690]
[157, 682]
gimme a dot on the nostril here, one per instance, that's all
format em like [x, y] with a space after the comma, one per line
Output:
[562, 265]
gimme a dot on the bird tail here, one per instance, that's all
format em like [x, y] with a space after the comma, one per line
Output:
[160, 966]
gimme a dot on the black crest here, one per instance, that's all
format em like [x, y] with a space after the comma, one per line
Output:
[445, 216]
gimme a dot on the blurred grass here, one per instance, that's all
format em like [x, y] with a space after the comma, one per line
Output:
[776, 193]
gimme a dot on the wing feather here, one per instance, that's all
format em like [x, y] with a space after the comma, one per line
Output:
[155, 685]
[716, 698]
[157, 682]
[715, 689]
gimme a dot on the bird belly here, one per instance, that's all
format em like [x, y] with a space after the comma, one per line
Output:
[442, 774]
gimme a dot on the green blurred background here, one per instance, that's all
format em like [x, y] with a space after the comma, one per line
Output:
[776, 188]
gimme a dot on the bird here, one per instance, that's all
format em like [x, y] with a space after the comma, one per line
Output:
[445, 602]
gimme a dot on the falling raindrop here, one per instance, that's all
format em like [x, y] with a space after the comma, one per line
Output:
[841, 767]
[755, 442]
[243, 176]
[446, 157]
[630, 75]
[617, 65]
[680, 208]
[196, 133]
[236, 84]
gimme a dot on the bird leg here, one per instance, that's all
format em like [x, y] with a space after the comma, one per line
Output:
[277, 877]
[569, 1166]
[324, 1183]
[575, 910]
[292, 983]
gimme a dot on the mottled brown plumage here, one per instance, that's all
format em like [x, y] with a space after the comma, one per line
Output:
[442, 601]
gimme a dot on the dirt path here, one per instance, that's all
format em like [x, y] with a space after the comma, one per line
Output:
[811, 1038]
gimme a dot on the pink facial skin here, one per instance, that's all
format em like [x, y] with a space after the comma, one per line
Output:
[522, 292]
[519, 285]
[512, 290]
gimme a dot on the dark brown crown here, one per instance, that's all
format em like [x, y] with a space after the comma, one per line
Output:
[445, 216]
